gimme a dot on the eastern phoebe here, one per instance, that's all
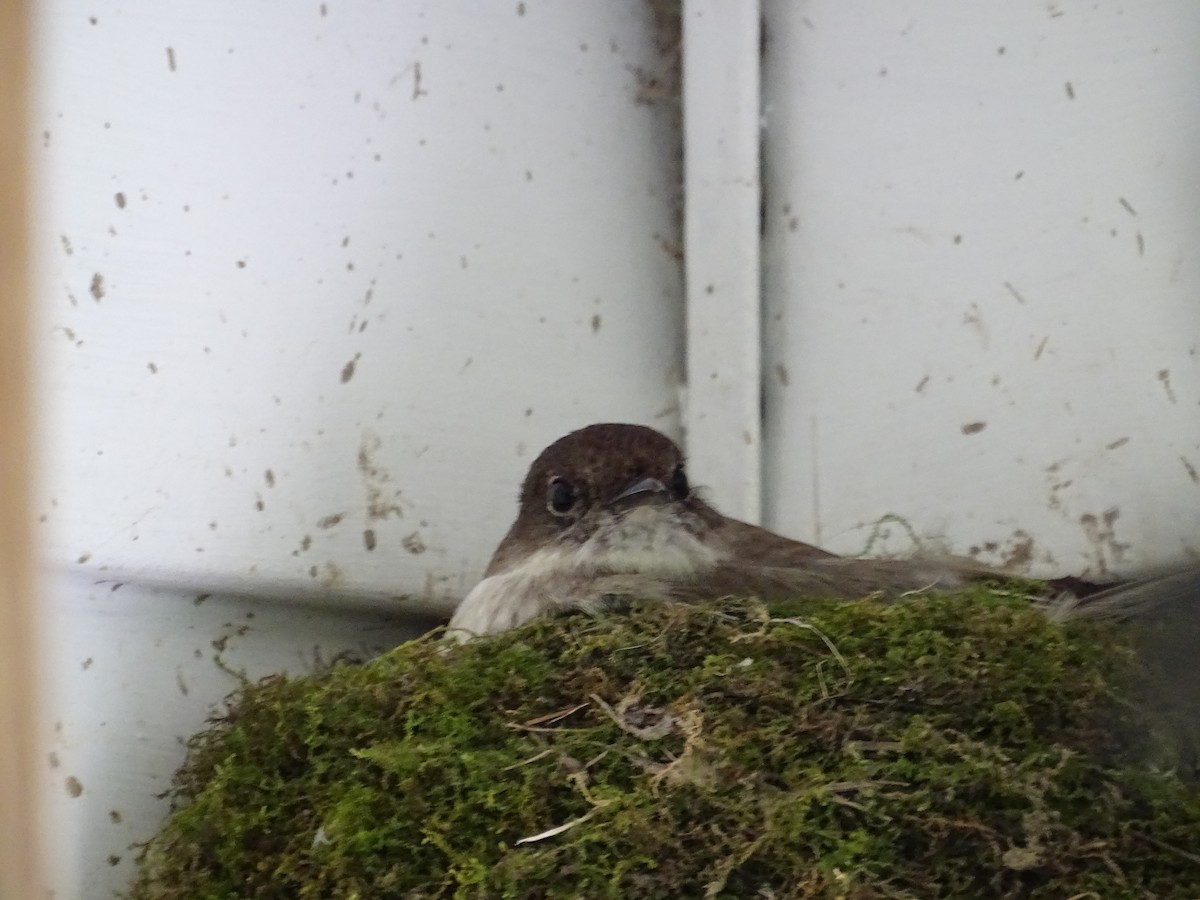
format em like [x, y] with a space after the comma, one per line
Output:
[607, 515]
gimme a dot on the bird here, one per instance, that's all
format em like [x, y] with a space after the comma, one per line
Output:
[607, 515]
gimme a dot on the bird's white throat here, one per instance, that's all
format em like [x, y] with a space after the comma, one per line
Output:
[647, 541]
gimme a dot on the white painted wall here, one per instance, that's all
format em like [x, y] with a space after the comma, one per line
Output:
[318, 280]
[982, 278]
[722, 98]
[313, 270]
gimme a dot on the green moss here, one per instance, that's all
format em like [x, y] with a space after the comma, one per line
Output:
[946, 747]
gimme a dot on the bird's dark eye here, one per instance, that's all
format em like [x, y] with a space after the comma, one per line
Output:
[562, 496]
[678, 484]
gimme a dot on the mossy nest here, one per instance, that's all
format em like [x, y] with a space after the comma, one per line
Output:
[945, 747]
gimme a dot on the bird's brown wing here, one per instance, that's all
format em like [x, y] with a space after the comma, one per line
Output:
[829, 577]
[1173, 594]
[746, 542]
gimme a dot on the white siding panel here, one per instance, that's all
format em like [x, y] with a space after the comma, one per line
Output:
[983, 279]
[312, 272]
[722, 187]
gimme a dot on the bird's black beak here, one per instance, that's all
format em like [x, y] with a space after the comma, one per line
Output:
[644, 490]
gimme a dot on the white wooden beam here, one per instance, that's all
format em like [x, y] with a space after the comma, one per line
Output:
[722, 413]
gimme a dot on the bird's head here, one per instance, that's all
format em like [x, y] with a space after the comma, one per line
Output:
[599, 485]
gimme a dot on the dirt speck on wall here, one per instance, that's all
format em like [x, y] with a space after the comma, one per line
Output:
[1164, 375]
[1100, 532]
[382, 502]
[1191, 469]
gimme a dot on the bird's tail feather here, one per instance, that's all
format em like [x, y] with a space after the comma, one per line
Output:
[1162, 614]
[1167, 594]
